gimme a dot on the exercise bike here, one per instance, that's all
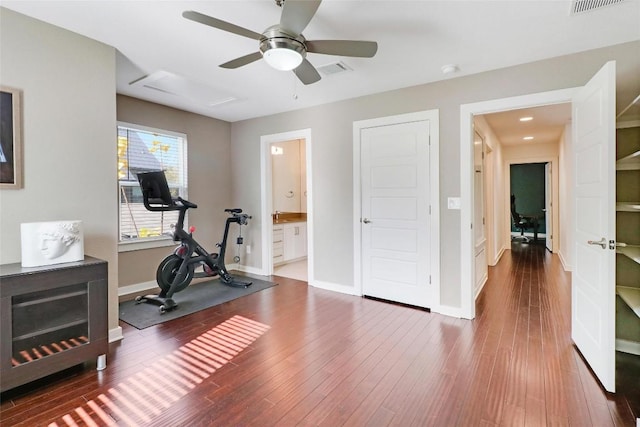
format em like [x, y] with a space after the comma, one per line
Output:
[176, 271]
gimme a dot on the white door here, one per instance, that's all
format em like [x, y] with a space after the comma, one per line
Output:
[479, 229]
[548, 209]
[593, 278]
[395, 212]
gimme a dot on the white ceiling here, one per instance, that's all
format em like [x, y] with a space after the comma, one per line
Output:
[415, 39]
[546, 126]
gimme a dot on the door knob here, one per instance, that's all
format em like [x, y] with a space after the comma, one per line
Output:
[602, 242]
[366, 220]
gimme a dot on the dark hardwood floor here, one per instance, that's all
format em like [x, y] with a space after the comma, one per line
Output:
[296, 355]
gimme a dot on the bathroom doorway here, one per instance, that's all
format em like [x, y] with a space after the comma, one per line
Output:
[286, 205]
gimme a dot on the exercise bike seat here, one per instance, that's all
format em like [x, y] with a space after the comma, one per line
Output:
[155, 192]
[234, 211]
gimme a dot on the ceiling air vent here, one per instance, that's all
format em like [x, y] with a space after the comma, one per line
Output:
[580, 6]
[335, 68]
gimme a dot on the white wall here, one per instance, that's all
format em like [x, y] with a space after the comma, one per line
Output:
[69, 105]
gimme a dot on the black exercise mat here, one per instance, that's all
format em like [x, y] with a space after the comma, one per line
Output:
[195, 297]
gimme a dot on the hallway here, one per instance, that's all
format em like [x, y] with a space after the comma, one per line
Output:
[526, 306]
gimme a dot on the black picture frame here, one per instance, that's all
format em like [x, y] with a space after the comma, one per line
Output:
[10, 138]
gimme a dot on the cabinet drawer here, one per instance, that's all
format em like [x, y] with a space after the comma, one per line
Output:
[278, 259]
[278, 236]
[278, 249]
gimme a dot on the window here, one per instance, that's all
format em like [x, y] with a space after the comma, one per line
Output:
[143, 149]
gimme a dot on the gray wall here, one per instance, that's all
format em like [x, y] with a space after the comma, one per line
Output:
[209, 179]
[69, 113]
[331, 127]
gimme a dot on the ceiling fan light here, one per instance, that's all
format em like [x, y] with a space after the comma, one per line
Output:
[282, 53]
[282, 58]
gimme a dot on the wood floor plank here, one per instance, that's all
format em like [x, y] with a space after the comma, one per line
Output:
[299, 355]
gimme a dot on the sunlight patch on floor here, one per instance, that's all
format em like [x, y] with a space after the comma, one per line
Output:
[141, 398]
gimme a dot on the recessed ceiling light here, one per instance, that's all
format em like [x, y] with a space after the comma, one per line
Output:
[528, 138]
[450, 69]
[526, 119]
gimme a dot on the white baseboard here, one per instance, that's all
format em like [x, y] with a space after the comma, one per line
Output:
[137, 288]
[565, 266]
[496, 259]
[152, 285]
[247, 269]
[484, 282]
[626, 346]
[447, 310]
[115, 334]
[349, 290]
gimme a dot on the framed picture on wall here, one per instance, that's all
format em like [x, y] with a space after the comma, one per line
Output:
[10, 138]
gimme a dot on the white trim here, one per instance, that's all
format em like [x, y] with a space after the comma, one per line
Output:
[498, 256]
[565, 266]
[137, 288]
[266, 202]
[334, 287]
[626, 346]
[115, 334]
[433, 117]
[628, 124]
[246, 269]
[467, 111]
[447, 310]
[485, 279]
[148, 243]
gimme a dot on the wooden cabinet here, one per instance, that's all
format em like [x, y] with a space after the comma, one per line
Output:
[53, 317]
[628, 237]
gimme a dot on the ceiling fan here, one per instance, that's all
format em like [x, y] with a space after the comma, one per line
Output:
[283, 46]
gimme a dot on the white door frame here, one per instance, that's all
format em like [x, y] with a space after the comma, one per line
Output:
[266, 205]
[467, 111]
[434, 183]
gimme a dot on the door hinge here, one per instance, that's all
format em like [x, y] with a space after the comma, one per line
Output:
[429, 209]
[429, 279]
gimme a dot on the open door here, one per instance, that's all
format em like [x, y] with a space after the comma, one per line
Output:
[548, 207]
[593, 277]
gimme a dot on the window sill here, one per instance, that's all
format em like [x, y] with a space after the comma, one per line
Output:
[160, 242]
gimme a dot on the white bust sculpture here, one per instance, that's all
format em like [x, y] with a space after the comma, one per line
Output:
[45, 243]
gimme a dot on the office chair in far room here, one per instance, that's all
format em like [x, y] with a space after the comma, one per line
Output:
[520, 222]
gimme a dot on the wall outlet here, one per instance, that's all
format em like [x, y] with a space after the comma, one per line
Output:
[248, 249]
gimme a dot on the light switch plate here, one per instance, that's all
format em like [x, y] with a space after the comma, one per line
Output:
[453, 203]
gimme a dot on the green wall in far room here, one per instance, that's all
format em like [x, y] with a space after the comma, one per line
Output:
[527, 184]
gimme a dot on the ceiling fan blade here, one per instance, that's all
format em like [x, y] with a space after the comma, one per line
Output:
[361, 49]
[220, 24]
[296, 14]
[243, 60]
[307, 73]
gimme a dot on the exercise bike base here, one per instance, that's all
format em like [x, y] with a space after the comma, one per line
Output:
[232, 282]
[164, 304]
